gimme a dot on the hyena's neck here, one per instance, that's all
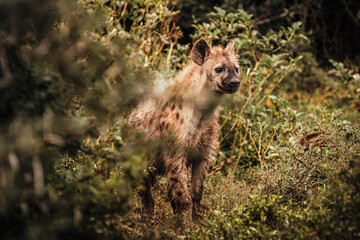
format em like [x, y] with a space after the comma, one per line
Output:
[196, 92]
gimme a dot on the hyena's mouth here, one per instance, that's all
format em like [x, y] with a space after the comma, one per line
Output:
[227, 90]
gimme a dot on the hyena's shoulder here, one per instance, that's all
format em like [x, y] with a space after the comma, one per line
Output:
[159, 115]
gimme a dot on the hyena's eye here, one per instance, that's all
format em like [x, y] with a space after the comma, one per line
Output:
[219, 70]
[237, 70]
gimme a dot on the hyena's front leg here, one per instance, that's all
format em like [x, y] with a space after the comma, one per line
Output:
[199, 171]
[178, 192]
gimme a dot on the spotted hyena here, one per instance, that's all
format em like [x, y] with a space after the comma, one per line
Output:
[188, 111]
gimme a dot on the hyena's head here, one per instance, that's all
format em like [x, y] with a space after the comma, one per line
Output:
[219, 64]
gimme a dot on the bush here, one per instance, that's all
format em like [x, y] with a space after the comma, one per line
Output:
[64, 90]
[287, 166]
[332, 214]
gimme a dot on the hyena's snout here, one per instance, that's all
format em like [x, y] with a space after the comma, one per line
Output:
[234, 83]
[231, 84]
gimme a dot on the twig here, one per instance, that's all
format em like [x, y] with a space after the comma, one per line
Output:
[240, 152]
[123, 226]
[234, 141]
[227, 118]
[230, 130]
[267, 20]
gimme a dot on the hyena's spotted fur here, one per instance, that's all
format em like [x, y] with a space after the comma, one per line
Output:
[188, 110]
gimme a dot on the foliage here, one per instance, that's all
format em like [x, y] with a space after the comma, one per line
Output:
[63, 89]
[331, 24]
[330, 212]
[288, 162]
[151, 24]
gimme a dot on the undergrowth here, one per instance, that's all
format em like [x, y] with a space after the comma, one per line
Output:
[288, 162]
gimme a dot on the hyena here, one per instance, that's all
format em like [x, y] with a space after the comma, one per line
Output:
[188, 110]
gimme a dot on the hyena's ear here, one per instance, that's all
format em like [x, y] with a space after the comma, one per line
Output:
[200, 51]
[230, 48]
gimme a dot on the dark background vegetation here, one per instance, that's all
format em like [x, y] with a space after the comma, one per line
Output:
[333, 26]
[288, 163]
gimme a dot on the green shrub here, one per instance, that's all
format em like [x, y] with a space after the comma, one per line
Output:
[64, 90]
[332, 214]
[287, 166]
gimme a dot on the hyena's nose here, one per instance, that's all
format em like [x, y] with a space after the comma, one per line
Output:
[235, 82]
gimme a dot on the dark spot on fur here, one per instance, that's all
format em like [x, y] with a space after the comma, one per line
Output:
[177, 116]
[179, 194]
[173, 107]
[169, 195]
[172, 154]
[180, 106]
[166, 126]
[151, 120]
[174, 171]
[196, 197]
[189, 134]
[162, 124]
[164, 107]
[175, 180]
[181, 121]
